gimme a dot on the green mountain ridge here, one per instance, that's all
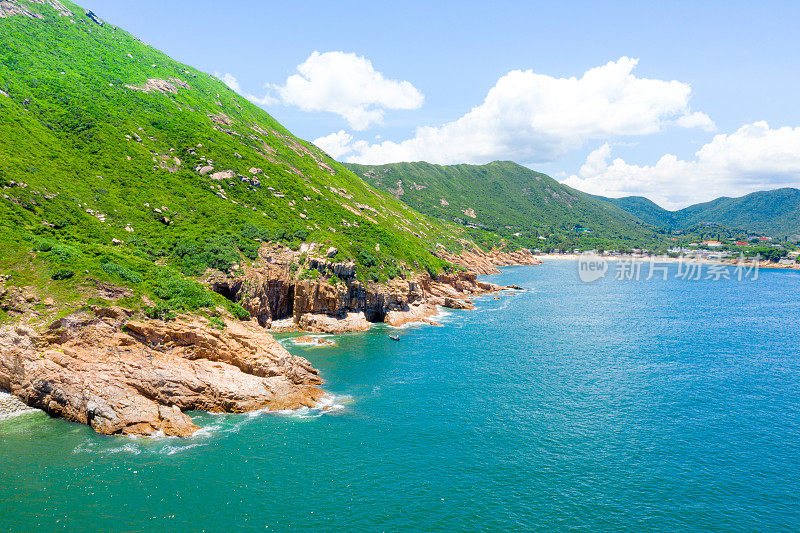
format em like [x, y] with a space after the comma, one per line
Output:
[774, 212]
[120, 165]
[532, 209]
[525, 207]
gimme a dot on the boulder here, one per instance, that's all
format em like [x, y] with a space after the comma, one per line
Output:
[136, 377]
[317, 323]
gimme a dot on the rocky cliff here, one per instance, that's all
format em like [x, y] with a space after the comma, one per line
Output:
[272, 292]
[479, 262]
[136, 377]
[123, 374]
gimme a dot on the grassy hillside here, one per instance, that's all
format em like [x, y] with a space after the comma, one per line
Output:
[120, 165]
[645, 210]
[512, 200]
[775, 213]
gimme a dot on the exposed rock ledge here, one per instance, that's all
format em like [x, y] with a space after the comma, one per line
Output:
[272, 294]
[482, 263]
[132, 377]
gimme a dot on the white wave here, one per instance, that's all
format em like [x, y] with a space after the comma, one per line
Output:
[130, 448]
[328, 404]
[505, 301]
[12, 407]
[16, 414]
[206, 431]
[172, 450]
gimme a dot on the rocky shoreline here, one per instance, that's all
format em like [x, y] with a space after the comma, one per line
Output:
[281, 302]
[126, 375]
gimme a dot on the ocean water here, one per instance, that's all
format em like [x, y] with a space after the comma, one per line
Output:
[611, 406]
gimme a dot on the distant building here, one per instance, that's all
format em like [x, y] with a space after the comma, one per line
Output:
[713, 244]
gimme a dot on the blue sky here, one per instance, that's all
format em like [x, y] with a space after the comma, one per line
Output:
[413, 64]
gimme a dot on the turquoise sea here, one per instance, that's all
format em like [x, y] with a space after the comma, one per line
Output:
[612, 406]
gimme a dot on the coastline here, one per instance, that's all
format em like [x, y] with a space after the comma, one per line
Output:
[12, 407]
[667, 259]
[123, 374]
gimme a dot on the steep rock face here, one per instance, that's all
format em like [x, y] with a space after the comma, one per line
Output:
[131, 377]
[269, 292]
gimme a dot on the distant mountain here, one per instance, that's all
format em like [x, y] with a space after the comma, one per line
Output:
[775, 212]
[514, 201]
[644, 209]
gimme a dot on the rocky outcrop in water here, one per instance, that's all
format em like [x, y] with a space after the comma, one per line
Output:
[136, 377]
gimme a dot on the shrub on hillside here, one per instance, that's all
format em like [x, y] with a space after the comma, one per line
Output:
[182, 294]
[62, 273]
[121, 272]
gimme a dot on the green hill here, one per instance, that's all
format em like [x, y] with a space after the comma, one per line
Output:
[526, 207]
[120, 165]
[775, 212]
[644, 209]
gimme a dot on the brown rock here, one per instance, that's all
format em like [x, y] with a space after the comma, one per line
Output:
[416, 313]
[136, 377]
[271, 292]
[316, 323]
[316, 341]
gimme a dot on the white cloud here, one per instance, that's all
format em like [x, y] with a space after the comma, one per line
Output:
[347, 85]
[229, 80]
[696, 120]
[755, 157]
[336, 144]
[530, 117]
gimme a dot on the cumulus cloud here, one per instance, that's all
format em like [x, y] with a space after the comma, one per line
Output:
[754, 157]
[231, 81]
[336, 144]
[696, 120]
[347, 85]
[531, 117]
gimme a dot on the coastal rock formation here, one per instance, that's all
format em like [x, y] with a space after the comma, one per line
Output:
[412, 313]
[271, 293]
[322, 323]
[483, 263]
[314, 341]
[136, 377]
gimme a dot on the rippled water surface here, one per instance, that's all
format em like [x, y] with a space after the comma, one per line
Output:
[618, 405]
